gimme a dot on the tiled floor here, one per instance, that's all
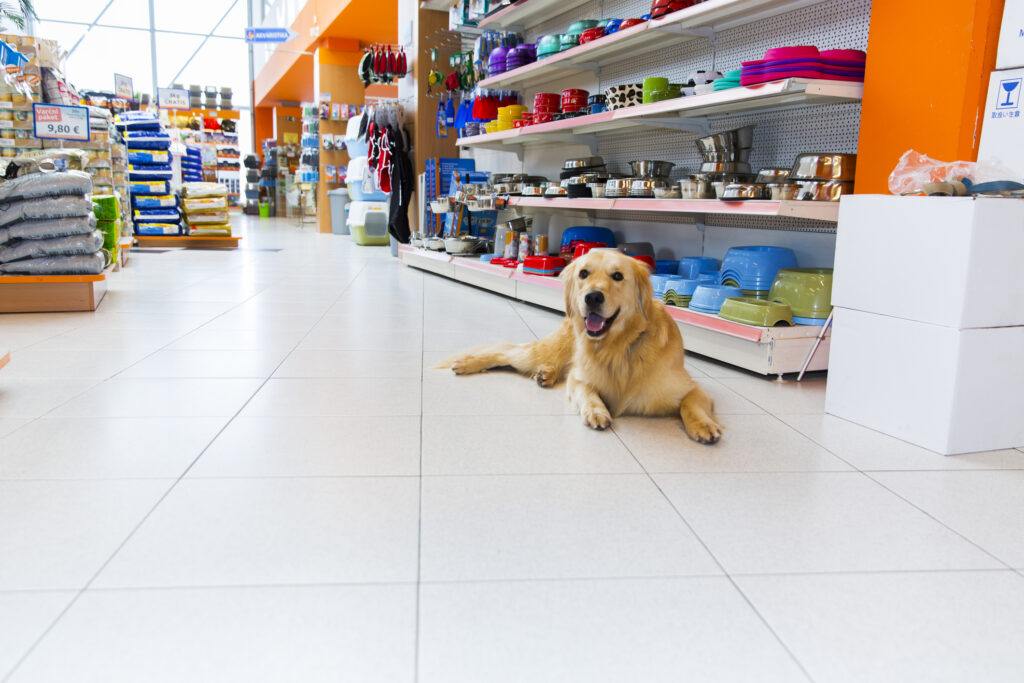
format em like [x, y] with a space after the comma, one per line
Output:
[244, 467]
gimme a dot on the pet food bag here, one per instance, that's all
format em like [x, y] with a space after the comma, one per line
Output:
[56, 246]
[43, 209]
[91, 264]
[47, 228]
[45, 184]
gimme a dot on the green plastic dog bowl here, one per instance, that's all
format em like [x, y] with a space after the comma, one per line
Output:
[808, 291]
[757, 312]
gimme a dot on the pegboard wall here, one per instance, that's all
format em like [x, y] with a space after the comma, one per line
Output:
[779, 135]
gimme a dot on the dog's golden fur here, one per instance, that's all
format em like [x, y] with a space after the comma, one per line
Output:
[630, 366]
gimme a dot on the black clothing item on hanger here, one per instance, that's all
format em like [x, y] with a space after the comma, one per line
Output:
[403, 181]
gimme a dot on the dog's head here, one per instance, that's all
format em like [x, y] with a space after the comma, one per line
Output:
[607, 293]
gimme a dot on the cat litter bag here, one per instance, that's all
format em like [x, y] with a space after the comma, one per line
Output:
[157, 215]
[151, 156]
[155, 201]
[43, 184]
[42, 209]
[157, 229]
[91, 264]
[144, 187]
[55, 246]
[133, 121]
[147, 140]
[45, 229]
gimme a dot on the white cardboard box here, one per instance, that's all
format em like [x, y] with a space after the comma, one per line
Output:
[1011, 36]
[1002, 125]
[948, 390]
[957, 262]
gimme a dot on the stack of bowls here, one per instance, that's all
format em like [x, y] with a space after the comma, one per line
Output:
[508, 114]
[625, 95]
[753, 269]
[520, 55]
[574, 100]
[497, 61]
[666, 266]
[597, 104]
[709, 298]
[591, 34]
[726, 157]
[759, 312]
[824, 176]
[807, 291]
[680, 291]
[691, 267]
[657, 88]
[571, 37]
[548, 45]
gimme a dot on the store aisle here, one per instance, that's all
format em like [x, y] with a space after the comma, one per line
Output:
[244, 467]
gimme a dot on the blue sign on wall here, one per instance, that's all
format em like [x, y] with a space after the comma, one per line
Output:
[259, 34]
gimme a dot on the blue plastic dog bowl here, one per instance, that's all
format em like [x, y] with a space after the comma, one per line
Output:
[755, 267]
[709, 298]
[692, 266]
[665, 266]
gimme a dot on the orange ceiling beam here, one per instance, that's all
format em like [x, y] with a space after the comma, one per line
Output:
[339, 25]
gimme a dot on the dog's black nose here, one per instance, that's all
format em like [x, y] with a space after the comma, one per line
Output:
[594, 299]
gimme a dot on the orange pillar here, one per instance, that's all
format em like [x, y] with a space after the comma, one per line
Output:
[263, 127]
[926, 82]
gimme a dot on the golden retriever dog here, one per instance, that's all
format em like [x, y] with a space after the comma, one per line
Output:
[618, 349]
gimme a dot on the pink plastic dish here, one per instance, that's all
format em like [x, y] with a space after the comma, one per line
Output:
[792, 52]
[858, 56]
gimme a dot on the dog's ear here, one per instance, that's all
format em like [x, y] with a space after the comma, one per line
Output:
[644, 290]
[569, 288]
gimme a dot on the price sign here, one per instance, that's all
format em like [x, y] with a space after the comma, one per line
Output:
[123, 86]
[173, 98]
[60, 122]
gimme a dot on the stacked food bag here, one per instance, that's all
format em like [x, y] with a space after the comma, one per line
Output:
[206, 208]
[47, 226]
[107, 209]
[149, 174]
[192, 165]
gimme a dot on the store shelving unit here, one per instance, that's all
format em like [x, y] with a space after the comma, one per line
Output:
[683, 113]
[51, 293]
[699, 21]
[817, 211]
[189, 241]
[765, 350]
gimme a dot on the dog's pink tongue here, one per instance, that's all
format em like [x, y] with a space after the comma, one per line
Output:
[594, 322]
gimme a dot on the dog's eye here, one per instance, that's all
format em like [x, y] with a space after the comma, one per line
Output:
[617, 276]
[584, 274]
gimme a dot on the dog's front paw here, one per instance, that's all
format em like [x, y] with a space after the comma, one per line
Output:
[704, 431]
[597, 418]
[545, 376]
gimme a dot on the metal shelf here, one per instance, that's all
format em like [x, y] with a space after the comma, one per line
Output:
[683, 113]
[699, 21]
[817, 211]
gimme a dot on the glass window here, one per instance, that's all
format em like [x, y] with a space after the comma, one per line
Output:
[194, 16]
[129, 13]
[106, 50]
[71, 10]
[221, 62]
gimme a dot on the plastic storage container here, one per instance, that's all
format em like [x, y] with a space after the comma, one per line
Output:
[358, 170]
[368, 223]
[339, 201]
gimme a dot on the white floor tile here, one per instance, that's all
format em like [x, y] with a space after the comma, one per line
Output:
[309, 634]
[984, 506]
[24, 617]
[105, 447]
[313, 447]
[356, 364]
[214, 363]
[564, 526]
[454, 341]
[751, 443]
[695, 629]
[57, 534]
[727, 401]
[379, 338]
[10, 424]
[33, 396]
[491, 393]
[814, 522]
[221, 532]
[524, 445]
[894, 628]
[867, 449]
[69, 363]
[275, 339]
[353, 397]
[149, 397]
[781, 398]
